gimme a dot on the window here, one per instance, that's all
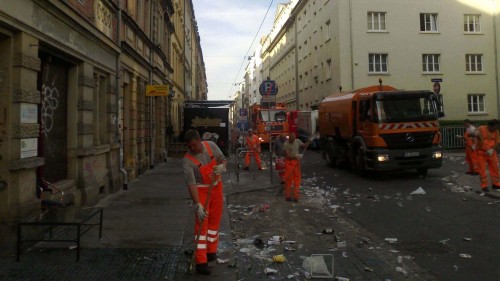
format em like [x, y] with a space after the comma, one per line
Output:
[475, 103]
[430, 63]
[376, 21]
[428, 22]
[328, 72]
[474, 63]
[472, 23]
[377, 63]
[327, 31]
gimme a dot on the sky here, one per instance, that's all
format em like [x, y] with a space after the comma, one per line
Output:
[227, 28]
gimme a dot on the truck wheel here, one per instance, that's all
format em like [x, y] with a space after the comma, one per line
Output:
[422, 171]
[360, 162]
[330, 159]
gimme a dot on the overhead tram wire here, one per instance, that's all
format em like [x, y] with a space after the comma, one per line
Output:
[246, 55]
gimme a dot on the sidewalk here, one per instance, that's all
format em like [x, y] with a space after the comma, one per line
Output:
[146, 231]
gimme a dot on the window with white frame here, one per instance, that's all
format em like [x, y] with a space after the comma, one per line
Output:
[430, 62]
[472, 23]
[327, 31]
[475, 103]
[474, 63]
[377, 63]
[376, 21]
[328, 70]
[428, 22]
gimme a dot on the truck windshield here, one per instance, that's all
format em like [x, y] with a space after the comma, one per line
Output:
[276, 115]
[406, 110]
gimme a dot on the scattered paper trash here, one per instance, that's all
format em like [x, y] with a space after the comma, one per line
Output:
[306, 210]
[444, 241]
[334, 206]
[402, 270]
[368, 269]
[328, 231]
[268, 270]
[391, 240]
[73, 247]
[316, 266]
[465, 256]
[222, 261]
[428, 209]
[279, 258]
[455, 267]
[418, 191]
[342, 244]
[290, 276]
[467, 239]
[344, 254]
[338, 278]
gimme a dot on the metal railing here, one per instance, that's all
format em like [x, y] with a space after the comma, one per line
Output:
[449, 137]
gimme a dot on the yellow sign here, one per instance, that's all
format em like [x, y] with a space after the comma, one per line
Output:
[157, 90]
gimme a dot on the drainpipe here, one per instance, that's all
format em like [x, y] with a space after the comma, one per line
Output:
[496, 55]
[350, 42]
[120, 130]
[296, 67]
[151, 99]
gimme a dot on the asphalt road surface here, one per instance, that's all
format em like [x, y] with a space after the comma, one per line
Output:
[435, 228]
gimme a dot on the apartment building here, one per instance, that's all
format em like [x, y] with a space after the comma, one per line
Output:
[73, 104]
[344, 45]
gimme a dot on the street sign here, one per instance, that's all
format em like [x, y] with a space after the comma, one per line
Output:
[436, 80]
[242, 125]
[436, 88]
[268, 88]
[269, 98]
[157, 90]
[243, 112]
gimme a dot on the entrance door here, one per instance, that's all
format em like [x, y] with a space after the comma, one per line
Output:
[53, 85]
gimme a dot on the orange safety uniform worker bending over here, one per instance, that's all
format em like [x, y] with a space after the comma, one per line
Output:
[253, 145]
[487, 155]
[470, 148]
[203, 165]
[292, 167]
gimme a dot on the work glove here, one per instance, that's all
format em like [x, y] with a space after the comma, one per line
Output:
[489, 152]
[473, 147]
[218, 169]
[200, 211]
[299, 156]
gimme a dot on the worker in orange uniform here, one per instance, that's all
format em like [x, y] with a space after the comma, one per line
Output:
[292, 167]
[203, 165]
[488, 138]
[253, 146]
[470, 148]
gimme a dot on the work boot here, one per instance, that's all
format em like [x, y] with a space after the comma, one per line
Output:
[296, 200]
[260, 168]
[474, 173]
[245, 168]
[468, 172]
[202, 268]
[495, 187]
[485, 189]
[289, 199]
[211, 256]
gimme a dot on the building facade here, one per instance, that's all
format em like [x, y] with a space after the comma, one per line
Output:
[75, 116]
[344, 45]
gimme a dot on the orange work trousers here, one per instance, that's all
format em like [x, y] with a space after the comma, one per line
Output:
[492, 162]
[471, 158]
[257, 159]
[209, 235]
[280, 167]
[292, 178]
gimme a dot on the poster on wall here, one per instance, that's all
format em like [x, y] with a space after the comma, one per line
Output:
[29, 148]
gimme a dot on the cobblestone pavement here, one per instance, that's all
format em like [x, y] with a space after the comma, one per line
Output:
[95, 264]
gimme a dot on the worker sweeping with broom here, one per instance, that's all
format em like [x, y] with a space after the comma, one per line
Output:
[203, 165]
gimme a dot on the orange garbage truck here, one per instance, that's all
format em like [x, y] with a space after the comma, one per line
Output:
[264, 119]
[380, 128]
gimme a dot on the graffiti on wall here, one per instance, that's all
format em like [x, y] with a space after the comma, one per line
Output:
[50, 102]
